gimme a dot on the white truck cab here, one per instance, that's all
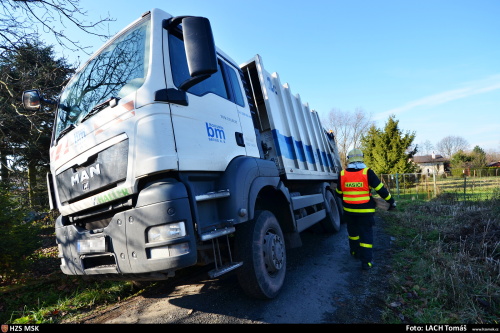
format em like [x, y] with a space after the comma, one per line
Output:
[166, 154]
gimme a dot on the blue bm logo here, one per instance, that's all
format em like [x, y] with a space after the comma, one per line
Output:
[215, 133]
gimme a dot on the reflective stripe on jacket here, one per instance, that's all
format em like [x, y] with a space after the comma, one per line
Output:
[355, 188]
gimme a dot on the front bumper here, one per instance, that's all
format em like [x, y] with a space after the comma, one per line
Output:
[123, 248]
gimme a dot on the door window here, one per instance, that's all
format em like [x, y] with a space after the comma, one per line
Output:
[223, 83]
[180, 72]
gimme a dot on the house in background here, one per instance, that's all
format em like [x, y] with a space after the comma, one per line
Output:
[432, 164]
[494, 164]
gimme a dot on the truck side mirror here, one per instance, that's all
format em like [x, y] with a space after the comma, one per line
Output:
[32, 100]
[199, 46]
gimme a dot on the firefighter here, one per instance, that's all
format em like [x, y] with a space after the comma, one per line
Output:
[354, 187]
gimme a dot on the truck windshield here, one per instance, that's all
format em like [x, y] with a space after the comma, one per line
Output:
[118, 70]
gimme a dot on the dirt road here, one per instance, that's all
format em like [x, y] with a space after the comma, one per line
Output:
[324, 284]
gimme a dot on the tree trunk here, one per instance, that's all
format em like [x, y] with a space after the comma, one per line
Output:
[32, 173]
[4, 171]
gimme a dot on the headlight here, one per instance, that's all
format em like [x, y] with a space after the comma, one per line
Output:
[166, 232]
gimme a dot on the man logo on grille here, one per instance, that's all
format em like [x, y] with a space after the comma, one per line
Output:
[86, 174]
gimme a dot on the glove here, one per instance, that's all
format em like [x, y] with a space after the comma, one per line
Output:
[392, 206]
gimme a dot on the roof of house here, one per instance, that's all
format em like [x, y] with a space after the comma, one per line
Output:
[494, 164]
[429, 159]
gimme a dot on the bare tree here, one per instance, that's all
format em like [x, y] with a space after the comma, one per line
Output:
[25, 136]
[492, 156]
[452, 144]
[24, 20]
[348, 127]
[426, 147]
[26, 62]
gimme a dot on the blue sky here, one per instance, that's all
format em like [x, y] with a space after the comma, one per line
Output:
[434, 64]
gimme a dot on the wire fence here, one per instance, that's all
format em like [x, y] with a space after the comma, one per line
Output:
[476, 185]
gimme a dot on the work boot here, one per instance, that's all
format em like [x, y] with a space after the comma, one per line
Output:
[366, 266]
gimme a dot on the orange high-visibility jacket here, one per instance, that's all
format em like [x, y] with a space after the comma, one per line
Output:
[355, 190]
[355, 187]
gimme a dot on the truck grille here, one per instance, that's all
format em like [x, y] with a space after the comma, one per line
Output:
[99, 172]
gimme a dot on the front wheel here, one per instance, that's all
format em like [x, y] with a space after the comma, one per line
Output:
[261, 247]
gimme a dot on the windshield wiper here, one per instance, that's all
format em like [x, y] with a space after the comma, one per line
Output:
[65, 131]
[112, 102]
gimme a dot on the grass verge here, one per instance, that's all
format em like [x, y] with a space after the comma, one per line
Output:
[446, 264]
[42, 294]
[53, 299]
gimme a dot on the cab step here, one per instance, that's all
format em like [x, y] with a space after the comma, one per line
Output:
[218, 271]
[213, 195]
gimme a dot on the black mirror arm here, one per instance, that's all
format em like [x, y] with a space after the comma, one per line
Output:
[192, 81]
[48, 101]
[173, 22]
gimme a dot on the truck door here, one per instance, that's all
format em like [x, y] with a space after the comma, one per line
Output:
[234, 77]
[207, 130]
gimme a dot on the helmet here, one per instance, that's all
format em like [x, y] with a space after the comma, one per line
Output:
[355, 155]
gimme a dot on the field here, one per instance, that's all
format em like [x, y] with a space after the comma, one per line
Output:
[446, 264]
[417, 186]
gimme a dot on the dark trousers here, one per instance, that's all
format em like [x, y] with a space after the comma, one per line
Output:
[360, 230]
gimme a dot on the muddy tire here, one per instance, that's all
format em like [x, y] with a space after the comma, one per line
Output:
[261, 246]
[331, 223]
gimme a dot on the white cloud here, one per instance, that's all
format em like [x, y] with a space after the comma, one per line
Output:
[471, 88]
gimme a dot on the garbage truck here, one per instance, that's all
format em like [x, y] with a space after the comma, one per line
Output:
[166, 154]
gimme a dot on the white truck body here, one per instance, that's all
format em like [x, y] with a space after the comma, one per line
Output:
[303, 151]
[155, 176]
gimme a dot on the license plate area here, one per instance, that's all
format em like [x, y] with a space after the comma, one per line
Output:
[92, 245]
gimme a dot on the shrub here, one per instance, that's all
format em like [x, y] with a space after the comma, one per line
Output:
[18, 239]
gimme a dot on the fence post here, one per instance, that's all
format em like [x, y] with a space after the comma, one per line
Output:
[397, 184]
[416, 184]
[435, 185]
[465, 187]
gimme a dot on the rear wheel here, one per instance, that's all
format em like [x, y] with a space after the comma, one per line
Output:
[261, 247]
[331, 223]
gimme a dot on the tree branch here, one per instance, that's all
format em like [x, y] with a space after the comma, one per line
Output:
[21, 21]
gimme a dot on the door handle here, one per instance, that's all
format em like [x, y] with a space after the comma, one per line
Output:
[239, 139]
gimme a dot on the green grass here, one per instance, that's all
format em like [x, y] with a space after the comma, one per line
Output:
[50, 300]
[446, 263]
[410, 187]
[37, 292]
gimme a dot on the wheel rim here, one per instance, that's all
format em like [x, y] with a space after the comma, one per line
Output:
[274, 252]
